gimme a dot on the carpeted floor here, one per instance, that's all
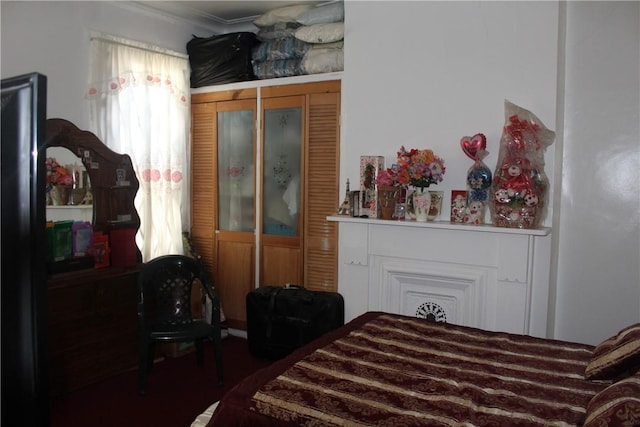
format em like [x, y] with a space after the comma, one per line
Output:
[177, 391]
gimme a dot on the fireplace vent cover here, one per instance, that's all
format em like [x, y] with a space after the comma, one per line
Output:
[431, 311]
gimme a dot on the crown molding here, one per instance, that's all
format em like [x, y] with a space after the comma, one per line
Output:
[216, 26]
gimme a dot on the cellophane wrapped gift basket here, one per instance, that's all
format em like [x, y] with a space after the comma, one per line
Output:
[520, 186]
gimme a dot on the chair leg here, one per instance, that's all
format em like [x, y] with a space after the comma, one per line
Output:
[151, 355]
[142, 368]
[217, 338]
[200, 352]
[217, 351]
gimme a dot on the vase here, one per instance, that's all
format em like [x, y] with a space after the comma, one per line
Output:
[400, 213]
[387, 196]
[421, 202]
[60, 194]
[77, 196]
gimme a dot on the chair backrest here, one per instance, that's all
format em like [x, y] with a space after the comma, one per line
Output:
[166, 283]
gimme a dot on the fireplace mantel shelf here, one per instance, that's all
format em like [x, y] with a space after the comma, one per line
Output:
[443, 225]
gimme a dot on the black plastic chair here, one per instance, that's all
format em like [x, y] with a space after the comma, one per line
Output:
[164, 310]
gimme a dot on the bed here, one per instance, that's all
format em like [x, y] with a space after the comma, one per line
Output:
[393, 370]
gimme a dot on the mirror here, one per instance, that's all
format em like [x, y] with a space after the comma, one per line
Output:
[68, 188]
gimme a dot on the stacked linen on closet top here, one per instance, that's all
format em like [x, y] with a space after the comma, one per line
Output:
[279, 58]
[279, 53]
[323, 28]
[297, 40]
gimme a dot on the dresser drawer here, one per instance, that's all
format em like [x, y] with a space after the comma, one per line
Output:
[92, 326]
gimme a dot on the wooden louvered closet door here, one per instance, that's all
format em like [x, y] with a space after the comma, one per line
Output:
[283, 141]
[321, 191]
[203, 176]
[308, 254]
[223, 194]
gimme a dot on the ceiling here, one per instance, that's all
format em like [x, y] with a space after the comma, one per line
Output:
[220, 12]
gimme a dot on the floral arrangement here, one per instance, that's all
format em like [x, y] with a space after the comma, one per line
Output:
[56, 173]
[387, 177]
[419, 168]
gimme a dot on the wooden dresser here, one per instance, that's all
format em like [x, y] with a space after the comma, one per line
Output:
[92, 326]
[92, 315]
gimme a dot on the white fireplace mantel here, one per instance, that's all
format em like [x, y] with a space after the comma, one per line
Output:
[482, 276]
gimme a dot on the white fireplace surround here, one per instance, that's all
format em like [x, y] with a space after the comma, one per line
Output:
[455, 294]
[482, 276]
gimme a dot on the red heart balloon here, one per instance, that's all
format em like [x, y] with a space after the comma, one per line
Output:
[474, 145]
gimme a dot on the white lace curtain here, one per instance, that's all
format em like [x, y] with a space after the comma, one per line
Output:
[139, 105]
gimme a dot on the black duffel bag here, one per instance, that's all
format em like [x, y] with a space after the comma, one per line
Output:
[279, 320]
[225, 58]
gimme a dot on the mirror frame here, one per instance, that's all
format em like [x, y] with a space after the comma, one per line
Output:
[103, 168]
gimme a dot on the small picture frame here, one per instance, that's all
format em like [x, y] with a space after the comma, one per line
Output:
[355, 203]
[369, 167]
[121, 178]
[458, 205]
[436, 205]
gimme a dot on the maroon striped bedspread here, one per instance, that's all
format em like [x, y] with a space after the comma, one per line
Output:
[391, 370]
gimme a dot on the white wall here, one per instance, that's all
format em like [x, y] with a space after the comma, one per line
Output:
[598, 273]
[423, 74]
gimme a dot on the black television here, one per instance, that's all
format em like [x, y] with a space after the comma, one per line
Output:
[24, 354]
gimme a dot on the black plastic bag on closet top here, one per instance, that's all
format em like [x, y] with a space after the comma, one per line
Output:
[219, 59]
